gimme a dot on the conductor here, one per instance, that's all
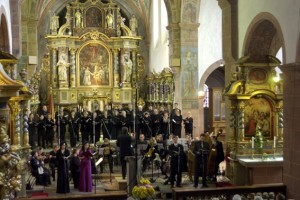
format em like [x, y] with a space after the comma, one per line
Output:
[201, 151]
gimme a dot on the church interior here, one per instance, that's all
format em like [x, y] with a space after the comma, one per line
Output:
[177, 72]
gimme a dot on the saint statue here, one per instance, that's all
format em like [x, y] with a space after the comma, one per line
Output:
[110, 20]
[127, 68]
[78, 19]
[54, 24]
[62, 68]
[133, 25]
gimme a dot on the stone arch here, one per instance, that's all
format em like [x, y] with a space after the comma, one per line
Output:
[208, 72]
[263, 37]
[4, 36]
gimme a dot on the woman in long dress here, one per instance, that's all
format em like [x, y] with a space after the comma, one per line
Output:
[85, 180]
[62, 169]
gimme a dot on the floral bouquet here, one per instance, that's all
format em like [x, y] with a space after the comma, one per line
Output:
[143, 190]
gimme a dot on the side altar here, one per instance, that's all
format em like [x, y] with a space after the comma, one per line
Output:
[255, 138]
[93, 55]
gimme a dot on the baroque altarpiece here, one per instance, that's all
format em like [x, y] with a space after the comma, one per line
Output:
[255, 136]
[93, 56]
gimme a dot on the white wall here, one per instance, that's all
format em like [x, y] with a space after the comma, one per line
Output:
[210, 35]
[285, 11]
[159, 50]
[5, 4]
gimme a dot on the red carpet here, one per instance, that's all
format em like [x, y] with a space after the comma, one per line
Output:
[39, 194]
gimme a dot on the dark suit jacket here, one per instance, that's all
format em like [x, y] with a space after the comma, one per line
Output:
[124, 142]
[198, 149]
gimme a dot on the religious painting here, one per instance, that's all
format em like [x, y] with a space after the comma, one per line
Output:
[189, 13]
[189, 77]
[258, 76]
[94, 67]
[93, 17]
[258, 115]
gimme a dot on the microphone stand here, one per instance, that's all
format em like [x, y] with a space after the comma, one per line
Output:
[178, 165]
[58, 125]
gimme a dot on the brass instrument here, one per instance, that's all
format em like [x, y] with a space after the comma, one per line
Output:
[150, 152]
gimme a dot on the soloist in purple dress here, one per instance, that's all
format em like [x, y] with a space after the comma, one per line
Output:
[85, 180]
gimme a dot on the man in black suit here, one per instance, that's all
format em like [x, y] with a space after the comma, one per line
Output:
[201, 151]
[176, 152]
[124, 143]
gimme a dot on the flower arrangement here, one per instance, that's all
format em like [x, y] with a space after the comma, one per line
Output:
[259, 139]
[143, 190]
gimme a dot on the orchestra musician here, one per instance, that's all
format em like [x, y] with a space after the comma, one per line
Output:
[176, 152]
[43, 158]
[53, 161]
[37, 170]
[201, 151]
[74, 128]
[85, 180]
[108, 151]
[62, 156]
[150, 153]
[49, 131]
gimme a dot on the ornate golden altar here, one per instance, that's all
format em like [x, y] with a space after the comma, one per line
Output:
[94, 55]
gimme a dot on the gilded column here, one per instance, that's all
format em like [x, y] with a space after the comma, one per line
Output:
[25, 128]
[72, 69]
[116, 53]
[14, 104]
[241, 121]
[280, 121]
[54, 68]
[134, 66]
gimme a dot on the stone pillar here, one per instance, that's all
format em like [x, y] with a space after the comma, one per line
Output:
[72, 69]
[291, 137]
[54, 68]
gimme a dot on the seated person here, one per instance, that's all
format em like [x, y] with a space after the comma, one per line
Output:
[108, 151]
[37, 170]
[151, 151]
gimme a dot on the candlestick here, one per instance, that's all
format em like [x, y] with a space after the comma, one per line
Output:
[274, 142]
[252, 142]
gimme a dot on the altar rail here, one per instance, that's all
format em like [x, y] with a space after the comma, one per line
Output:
[267, 191]
[115, 195]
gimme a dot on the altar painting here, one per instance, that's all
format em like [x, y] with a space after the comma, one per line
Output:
[258, 116]
[94, 65]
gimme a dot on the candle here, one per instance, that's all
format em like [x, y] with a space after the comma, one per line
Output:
[252, 142]
[274, 142]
